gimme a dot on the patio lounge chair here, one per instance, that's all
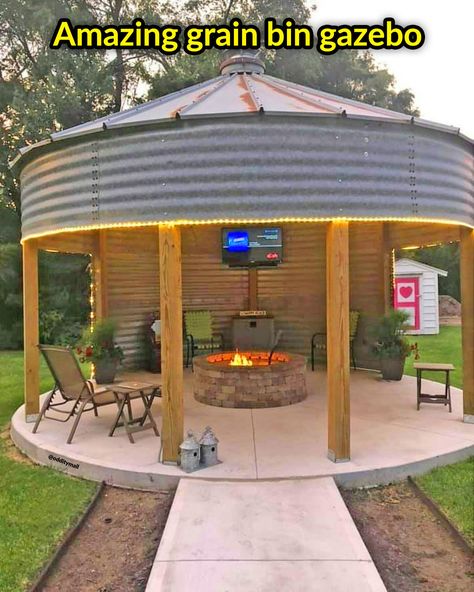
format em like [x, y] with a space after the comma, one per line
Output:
[199, 335]
[318, 340]
[72, 388]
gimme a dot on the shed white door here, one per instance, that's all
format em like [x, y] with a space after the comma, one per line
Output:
[407, 298]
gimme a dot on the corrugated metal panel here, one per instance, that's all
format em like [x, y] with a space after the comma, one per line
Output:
[133, 283]
[366, 267]
[207, 283]
[133, 286]
[250, 168]
[295, 291]
[366, 284]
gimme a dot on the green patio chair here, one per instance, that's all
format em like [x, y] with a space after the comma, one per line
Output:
[318, 340]
[199, 336]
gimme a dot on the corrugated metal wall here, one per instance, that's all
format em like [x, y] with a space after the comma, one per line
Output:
[133, 283]
[248, 168]
[294, 292]
[207, 283]
[366, 244]
[133, 286]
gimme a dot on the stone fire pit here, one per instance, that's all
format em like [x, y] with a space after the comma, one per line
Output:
[281, 383]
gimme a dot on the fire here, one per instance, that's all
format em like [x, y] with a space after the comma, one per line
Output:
[240, 360]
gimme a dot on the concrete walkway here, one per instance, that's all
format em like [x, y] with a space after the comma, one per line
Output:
[285, 536]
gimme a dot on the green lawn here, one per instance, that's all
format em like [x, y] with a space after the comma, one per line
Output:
[443, 348]
[452, 488]
[37, 505]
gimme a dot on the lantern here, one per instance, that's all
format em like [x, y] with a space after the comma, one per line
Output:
[189, 451]
[208, 444]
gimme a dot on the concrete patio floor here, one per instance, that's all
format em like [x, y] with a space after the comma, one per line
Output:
[389, 438]
[296, 535]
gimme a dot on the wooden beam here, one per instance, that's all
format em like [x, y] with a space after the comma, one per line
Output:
[405, 235]
[171, 313]
[467, 307]
[80, 242]
[31, 329]
[100, 275]
[337, 303]
[253, 288]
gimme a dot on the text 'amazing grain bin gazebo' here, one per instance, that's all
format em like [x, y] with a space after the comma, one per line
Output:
[150, 188]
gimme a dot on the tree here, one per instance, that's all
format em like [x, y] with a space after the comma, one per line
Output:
[444, 257]
[43, 90]
[350, 74]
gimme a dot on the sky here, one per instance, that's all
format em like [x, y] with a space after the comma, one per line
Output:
[440, 73]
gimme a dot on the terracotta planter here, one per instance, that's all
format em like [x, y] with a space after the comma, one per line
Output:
[105, 371]
[392, 368]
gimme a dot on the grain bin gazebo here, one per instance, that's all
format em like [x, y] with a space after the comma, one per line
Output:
[147, 191]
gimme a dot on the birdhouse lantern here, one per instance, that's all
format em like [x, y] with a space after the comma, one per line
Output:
[208, 444]
[190, 453]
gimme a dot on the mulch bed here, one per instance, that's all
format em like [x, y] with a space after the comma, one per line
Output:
[114, 549]
[412, 548]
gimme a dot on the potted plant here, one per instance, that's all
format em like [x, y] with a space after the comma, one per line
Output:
[98, 346]
[391, 345]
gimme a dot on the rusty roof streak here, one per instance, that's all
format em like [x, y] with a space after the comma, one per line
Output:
[248, 97]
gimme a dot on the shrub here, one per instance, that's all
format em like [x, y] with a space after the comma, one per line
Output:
[389, 335]
[98, 342]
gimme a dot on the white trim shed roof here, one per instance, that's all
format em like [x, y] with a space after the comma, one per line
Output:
[420, 266]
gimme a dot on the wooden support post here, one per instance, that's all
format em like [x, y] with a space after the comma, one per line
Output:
[31, 329]
[99, 263]
[337, 303]
[467, 307]
[171, 313]
[253, 288]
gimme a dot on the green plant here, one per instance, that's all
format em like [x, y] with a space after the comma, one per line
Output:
[98, 343]
[50, 324]
[56, 328]
[390, 339]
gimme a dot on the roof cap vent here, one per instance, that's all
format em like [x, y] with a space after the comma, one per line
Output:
[243, 62]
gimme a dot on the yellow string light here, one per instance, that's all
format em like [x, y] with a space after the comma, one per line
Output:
[224, 221]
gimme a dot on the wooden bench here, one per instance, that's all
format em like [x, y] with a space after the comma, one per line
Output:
[421, 397]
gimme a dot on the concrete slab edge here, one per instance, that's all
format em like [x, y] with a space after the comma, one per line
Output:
[149, 481]
[386, 475]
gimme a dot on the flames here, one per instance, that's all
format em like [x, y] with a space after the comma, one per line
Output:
[240, 360]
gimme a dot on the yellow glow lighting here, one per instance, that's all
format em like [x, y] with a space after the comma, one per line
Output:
[225, 221]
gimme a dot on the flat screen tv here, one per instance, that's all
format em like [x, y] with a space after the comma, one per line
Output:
[252, 247]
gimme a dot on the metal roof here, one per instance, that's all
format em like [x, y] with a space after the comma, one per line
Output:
[206, 154]
[233, 94]
[242, 89]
